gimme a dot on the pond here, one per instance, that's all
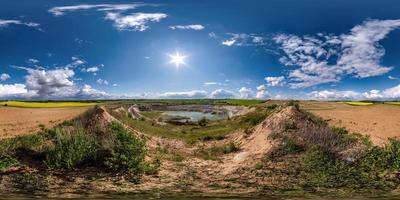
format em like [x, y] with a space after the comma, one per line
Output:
[192, 116]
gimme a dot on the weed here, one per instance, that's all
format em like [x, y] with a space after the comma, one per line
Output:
[127, 153]
[71, 149]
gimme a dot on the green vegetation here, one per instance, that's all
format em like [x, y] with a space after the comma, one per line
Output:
[113, 149]
[70, 150]
[50, 104]
[214, 152]
[205, 130]
[127, 151]
[151, 114]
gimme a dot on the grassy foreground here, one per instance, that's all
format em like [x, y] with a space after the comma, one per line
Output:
[27, 104]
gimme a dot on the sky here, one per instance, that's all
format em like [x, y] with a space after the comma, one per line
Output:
[253, 49]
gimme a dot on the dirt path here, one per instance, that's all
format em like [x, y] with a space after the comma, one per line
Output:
[379, 121]
[20, 121]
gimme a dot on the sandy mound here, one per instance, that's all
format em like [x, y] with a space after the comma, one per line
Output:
[98, 119]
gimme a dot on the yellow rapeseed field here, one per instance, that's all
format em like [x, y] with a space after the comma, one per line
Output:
[355, 103]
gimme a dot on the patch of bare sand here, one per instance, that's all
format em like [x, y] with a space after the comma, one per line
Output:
[21, 121]
[379, 121]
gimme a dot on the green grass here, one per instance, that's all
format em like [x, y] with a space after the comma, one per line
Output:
[354, 103]
[213, 130]
[26, 104]
[151, 114]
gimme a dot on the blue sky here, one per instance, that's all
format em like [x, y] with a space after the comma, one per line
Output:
[302, 49]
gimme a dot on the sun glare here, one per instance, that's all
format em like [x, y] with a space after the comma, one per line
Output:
[177, 59]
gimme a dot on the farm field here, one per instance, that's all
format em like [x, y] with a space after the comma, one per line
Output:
[27, 104]
[380, 121]
[20, 121]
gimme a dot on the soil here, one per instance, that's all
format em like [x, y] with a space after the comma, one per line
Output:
[21, 121]
[380, 121]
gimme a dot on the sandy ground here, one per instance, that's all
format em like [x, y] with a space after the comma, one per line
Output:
[379, 121]
[20, 121]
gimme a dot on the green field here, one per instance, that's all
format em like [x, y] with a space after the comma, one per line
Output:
[31, 104]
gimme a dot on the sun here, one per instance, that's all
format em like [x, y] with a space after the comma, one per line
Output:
[177, 59]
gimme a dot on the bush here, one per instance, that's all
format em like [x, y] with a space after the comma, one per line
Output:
[71, 149]
[127, 151]
[7, 161]
[203, 122]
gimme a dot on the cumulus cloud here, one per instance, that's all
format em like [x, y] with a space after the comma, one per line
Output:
[387, 94]
[246, 93]
[12, 90]
[194, 94]
[327, 58]
[87, 92]
[275, 81]
[115, 13]
[262, 92]
[243, 39]
[6, 23]
[196, 27]
[51, 83]
[4, 76]
[135, 21]
[222, 94]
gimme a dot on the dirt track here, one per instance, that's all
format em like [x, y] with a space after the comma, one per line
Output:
[379, 121]
[20, 121]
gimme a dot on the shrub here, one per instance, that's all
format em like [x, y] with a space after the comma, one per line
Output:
[203, 122]
[286, 147]
[7, 161]
[127, 153]
[71, 149]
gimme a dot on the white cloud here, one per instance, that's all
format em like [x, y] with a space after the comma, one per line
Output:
[33, 60]
[393, 78]
[87, 92]
[196, 27]
[12, 90]
[222, 94]
[92, 69]
[334, 95]
[4, 76]
[51, 83]
[6, 23]
[246, 93]
[129, 22]
[194, 94]
[229, 42]
[275, 81]
[327, 58]
[243, 39]
[61, 10]
[102, 82]
[387, 94]
[212, 35]
[262, 92]
[212, 83]
[135, 21]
